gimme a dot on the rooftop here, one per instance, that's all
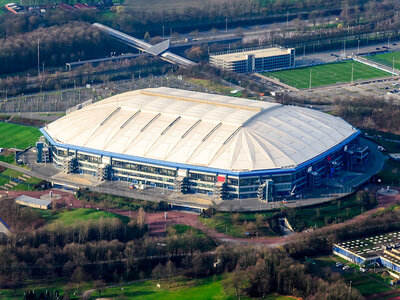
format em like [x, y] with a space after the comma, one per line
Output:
[242, 55]
[31, 200]
[371, 246]
[214, 131]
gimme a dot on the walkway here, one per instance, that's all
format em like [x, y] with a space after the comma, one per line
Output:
[158, 224]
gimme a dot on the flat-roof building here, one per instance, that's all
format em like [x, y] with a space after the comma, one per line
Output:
[383, 249]
[195, 142]
[33, 202]
[254, 60]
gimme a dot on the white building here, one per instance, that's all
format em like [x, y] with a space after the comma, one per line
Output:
[200, 143]
[254, 60]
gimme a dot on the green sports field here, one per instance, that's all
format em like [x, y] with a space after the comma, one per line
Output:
[386, 59]
[326, 74]
[19, 136]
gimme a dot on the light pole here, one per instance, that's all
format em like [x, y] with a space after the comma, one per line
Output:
[358, 48]
[163, 31]
[287, 19]
[393, 67]
[344, 48]
[352, 72]
[226, 24]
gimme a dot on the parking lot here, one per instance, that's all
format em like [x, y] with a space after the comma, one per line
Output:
[61, 100]
[389, 88]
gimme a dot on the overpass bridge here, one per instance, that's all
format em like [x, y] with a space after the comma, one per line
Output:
[159, 50]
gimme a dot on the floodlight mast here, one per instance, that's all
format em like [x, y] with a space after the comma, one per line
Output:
[38, 57]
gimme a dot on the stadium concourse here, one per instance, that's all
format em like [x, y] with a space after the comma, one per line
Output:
[218, 147]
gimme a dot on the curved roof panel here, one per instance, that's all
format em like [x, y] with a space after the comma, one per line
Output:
[201, 129]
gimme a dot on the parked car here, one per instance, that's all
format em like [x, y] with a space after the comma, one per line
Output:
[339, 264]
[346, 268]
[363, 270]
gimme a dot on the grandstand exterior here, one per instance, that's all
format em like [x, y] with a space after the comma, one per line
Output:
[194, 142]
[254, 60]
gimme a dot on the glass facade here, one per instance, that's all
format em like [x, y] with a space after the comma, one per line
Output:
[284, 183]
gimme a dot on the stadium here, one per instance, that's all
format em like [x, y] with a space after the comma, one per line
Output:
[193, 142]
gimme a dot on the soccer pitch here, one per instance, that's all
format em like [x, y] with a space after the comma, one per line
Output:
[326, 74]
[386, 59]
[19, 136]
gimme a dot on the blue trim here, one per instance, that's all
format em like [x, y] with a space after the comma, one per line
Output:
[4, 223]
[199, 168]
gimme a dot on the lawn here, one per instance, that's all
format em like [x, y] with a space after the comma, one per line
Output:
[70, 217]
[10, 159]
[362, 282]
[11, 173]
[390, 174]
[5, 178]
[222, 222]
[31, 182]
[326, 74]
[206, 288]
[19, 136]
[386, 59]
[214, 86]
[181, 229]
[321, 215]
[366, 285]
[300, 218]
[59, 285]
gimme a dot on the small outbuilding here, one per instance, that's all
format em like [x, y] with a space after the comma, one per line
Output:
[33, 202]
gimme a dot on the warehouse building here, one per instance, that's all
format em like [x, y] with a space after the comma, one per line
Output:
[254, 60]
[383, 249]
[194, 142]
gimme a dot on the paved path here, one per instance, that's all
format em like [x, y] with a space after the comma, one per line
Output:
[158, 224]
[389, 295]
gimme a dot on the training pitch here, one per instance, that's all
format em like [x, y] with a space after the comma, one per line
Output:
[326, 74]
[19, 136]
[386, 59]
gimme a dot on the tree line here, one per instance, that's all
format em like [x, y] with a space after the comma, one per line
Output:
[105, 252]
[372, 112]
[57, 45]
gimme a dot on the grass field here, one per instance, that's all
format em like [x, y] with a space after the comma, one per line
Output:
[367, 284]
[21, 186]
[206, 288]
[300, 218]
[69, 217]
[182, 289]
[214, 86]
[386, 59]
[326, 74]
[222, 222]
[20, 136]
[324, 214]
[27, 187]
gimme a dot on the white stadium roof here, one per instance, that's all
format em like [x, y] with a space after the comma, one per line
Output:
[208, 130]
